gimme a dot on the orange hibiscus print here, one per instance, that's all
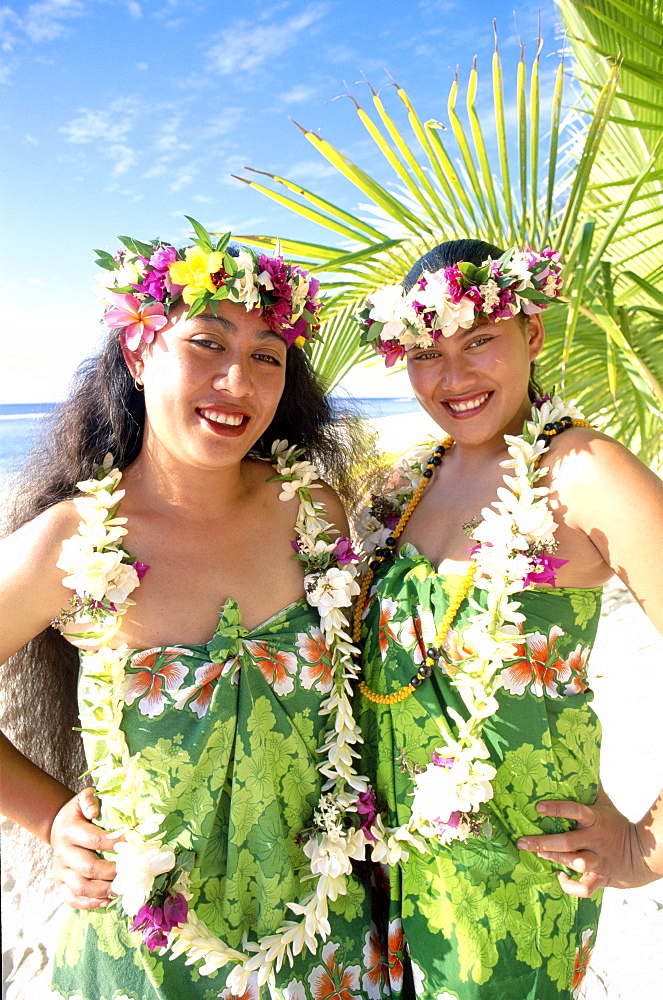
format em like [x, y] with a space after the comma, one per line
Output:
[581, 962]
[150, 674]
[577, 664]
[275, 665]
[206, 676]
[376, 978]
[317, 669]
[456, 652]
[396, 947]
[385, 633]
[332, 981]
[538, 665]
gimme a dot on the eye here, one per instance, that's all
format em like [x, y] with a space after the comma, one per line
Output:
[479, 341]
[425, 356]
[206, 342]
[269, 358]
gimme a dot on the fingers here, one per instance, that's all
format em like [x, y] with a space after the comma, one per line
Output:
[583, 887]
[583, 815]
[582, 862]
[89, 803]
[554, 843]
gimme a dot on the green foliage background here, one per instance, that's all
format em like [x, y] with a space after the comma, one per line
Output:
[589, 181]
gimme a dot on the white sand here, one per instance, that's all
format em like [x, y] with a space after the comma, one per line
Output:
[628, 681]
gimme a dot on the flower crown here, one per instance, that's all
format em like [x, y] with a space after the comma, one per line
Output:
[147, 278]
[441, 302]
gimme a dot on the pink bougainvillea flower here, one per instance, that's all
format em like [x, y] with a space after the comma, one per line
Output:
[544, 569]
[155, 922]
[367, 807]
[141, 568]
[344, 552]
[140, 322]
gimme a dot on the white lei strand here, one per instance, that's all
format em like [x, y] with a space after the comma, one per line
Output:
[517, 526]
[97, 568]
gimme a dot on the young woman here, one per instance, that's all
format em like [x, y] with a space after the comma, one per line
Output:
[479, 607]
[213, 688]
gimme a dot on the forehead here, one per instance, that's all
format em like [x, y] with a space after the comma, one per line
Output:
[231, 319]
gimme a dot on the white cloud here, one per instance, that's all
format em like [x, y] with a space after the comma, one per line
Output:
[134, 8]
[31, 139]
[123, 156]
[245, 45]
[311, 170]
[43, 21]
[9, 21]
[113, 123]
[298, 95]
[224, 124]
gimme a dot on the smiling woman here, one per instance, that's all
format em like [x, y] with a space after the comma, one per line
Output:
[174, 542]
[475, 704]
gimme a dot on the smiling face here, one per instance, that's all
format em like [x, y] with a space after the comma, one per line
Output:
[474, 383]
[212, 385]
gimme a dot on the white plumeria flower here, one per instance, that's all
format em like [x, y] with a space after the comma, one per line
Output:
[330, 591]
[138, 863]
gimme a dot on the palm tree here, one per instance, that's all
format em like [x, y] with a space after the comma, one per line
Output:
[592, 189]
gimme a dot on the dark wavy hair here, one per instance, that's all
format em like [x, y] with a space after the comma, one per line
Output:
[104, 412]
[474, 252]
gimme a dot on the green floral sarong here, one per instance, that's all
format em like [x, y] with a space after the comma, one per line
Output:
[229, 733]
[479, 918]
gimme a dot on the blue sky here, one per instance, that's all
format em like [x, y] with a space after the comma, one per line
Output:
[121, 116]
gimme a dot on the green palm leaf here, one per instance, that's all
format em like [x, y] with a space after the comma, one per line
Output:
[592, 188]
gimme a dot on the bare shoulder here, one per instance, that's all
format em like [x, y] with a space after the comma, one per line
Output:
[31, 588]
[41, 537]
[332, 503]
[589, 468]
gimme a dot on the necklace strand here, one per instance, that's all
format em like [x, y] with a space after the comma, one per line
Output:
[432, 653]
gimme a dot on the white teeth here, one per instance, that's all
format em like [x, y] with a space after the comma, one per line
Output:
[471, 404]
[232, 419]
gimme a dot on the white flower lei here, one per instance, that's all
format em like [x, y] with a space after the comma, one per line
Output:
[94, 561]
[516, 531]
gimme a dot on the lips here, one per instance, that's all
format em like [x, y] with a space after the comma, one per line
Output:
[225, 422]
[463, 407]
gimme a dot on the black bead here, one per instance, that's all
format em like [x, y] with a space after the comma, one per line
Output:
[548, 427]
[436, 460]
[440, 450]
[428, 473]
[374, 563]
[558, 426]
[390, 542]
[382, 553]
[416, 681]
[544, 437]
[567, 421]
[425, 670]
[432, 652]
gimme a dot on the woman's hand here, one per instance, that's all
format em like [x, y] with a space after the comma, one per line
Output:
[83, 876]
[604, 848]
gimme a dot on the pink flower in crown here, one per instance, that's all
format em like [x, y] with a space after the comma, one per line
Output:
[506, 308]
[454, 278]
[392, 351]
[156, 281]
[140, 322]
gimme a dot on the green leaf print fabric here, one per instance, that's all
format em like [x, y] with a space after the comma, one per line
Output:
[228, 735]
[479, 918]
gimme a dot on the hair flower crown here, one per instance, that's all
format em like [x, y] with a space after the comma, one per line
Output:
[147, 278]
[439, 303]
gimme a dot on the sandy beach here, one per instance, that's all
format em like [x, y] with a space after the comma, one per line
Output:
[627, 679]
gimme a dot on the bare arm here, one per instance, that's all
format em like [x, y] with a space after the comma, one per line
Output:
[31, 594]
[618, 504]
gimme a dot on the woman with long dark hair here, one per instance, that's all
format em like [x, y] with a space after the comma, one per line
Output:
[175, 537]
[478, 612]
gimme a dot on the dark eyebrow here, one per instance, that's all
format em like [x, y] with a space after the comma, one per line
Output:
[230, 327]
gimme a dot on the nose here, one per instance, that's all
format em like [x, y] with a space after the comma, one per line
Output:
[234, 377]
[456, 374]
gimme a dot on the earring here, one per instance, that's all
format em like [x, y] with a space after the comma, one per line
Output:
[138, 386]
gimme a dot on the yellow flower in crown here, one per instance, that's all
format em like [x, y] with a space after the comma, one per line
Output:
[194, 272]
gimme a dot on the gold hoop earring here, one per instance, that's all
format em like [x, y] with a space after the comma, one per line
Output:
[138, 386]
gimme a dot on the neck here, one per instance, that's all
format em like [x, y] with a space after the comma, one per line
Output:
[165, 485]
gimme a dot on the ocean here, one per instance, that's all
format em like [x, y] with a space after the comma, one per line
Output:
[20, 422]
